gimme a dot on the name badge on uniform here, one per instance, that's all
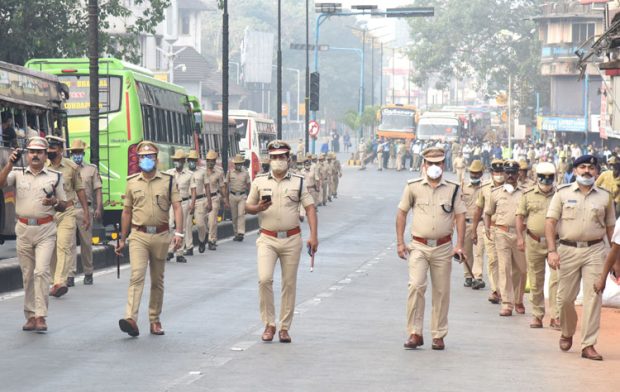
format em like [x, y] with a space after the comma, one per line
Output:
[571, 201]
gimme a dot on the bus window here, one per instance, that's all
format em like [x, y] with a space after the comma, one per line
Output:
[79, 93]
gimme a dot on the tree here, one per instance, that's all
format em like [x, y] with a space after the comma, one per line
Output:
[56, 28]
[485, 40]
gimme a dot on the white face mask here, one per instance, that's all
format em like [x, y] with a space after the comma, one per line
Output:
[587, 181]
[278, 166]
[509, 188]
[434, 172]
[498, 179]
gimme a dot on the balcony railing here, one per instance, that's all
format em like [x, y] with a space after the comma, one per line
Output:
[559, 51]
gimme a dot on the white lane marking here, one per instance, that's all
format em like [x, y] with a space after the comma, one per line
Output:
[325, 295]
[336, 288]
[243, 345]
[357, 197]
[345, 281]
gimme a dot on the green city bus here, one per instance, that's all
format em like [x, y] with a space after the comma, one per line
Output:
[134, 106]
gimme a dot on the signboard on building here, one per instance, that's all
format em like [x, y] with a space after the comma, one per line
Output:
[519, 130]
[257, 56]
[564, 124]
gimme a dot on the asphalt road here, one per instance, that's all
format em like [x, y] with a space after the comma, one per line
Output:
[347, 333]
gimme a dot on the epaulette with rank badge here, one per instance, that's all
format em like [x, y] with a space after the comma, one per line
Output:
[528, 190]
[262, 175]
[414, 180]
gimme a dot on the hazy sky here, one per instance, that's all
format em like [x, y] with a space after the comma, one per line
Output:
[380, 3]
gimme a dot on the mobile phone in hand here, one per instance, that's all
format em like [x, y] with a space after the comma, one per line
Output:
[310, 250]
[266, 198]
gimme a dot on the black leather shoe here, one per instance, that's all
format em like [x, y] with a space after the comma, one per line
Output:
[181, 259]
[201, 247]
[212, 245]
[188, 252]
[478, 284]
[88, 279]
[240, 238]
[70, 281]
[170, 256]
[468, 282]
[236, 237]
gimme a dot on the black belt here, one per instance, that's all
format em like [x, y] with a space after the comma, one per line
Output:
[469, 220]
[214, 194]
[580, 244]
[237, 193]
[185, 198]
[200, 197]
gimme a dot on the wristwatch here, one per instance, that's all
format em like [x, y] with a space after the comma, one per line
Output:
[179, 234]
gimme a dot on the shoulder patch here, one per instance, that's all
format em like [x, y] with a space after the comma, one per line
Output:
[414, 180]
[166, 174]
[497, 188]
[261, 175]
[528, 190]
[296, 175]
[453, 182]
[52, 171]
[132, 176]
[90, 164]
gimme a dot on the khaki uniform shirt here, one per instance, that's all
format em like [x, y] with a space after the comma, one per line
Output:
[324, 171]
[150, 200]
[200, 179]
[310, 179]
[533, 207]
[184, 180]
[337, 171]
[316, 171]
[72, 181]
[283, 214]
[30, 191]
[484, 196]
[216, 179]
[459, 163]
[238, 180]
[609, 182]
[91, 181]
[504, 206]
[469, 194]
[430, 220]
[582, 217]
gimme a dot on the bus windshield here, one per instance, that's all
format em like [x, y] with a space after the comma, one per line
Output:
[79, 91]
[263, 141]
[438, 129]
[397, 119]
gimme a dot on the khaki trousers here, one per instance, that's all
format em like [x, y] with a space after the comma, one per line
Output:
[325, 190]
[146, 250]
[536, 256]
[200, 218]
[237, 209]
[185, 208]
[492, 266]
[473, 252]
[288, 251]
[62, 258]
[188, 225]
[86, 244]
[35, 246]
[512, 269]
[439, 261]
[334, 186]
[577, 264]
[315, 195]
[212, 225]
[460, 173]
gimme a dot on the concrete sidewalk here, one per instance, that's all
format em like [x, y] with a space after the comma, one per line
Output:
[103, 256]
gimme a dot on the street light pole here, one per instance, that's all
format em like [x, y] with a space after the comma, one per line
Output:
[93, 57]
[225, 87]
[279, 72]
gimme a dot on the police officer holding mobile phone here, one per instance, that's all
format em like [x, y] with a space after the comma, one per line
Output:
[276, 198]
[39, 195]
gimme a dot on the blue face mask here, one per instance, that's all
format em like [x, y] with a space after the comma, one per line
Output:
[147, 164]
[77, 158]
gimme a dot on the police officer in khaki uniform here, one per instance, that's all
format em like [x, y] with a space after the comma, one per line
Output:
[239, 186]
[511, 261]
[470, 194]
[148, 198]
[62, 259]
[436, 204]
[459, 167]
[217, 183]
[586, 214]
[336, 174]
[533, 209]
[524, 180]
[312, 179]
[203, 200]
[484, 197]
[276, 198]
[39, 194]
[187, 190]
[92, 188]
[325, 180]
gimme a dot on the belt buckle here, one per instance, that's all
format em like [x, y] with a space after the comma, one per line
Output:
[582, 244]
[151, 229]
[432, 243]
[281, 234]
[32, 221]
[543, 241]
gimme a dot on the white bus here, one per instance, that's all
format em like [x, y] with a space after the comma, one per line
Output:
[444, 126]
[254, 132]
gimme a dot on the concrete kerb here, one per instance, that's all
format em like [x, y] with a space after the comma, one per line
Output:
[103, 256]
